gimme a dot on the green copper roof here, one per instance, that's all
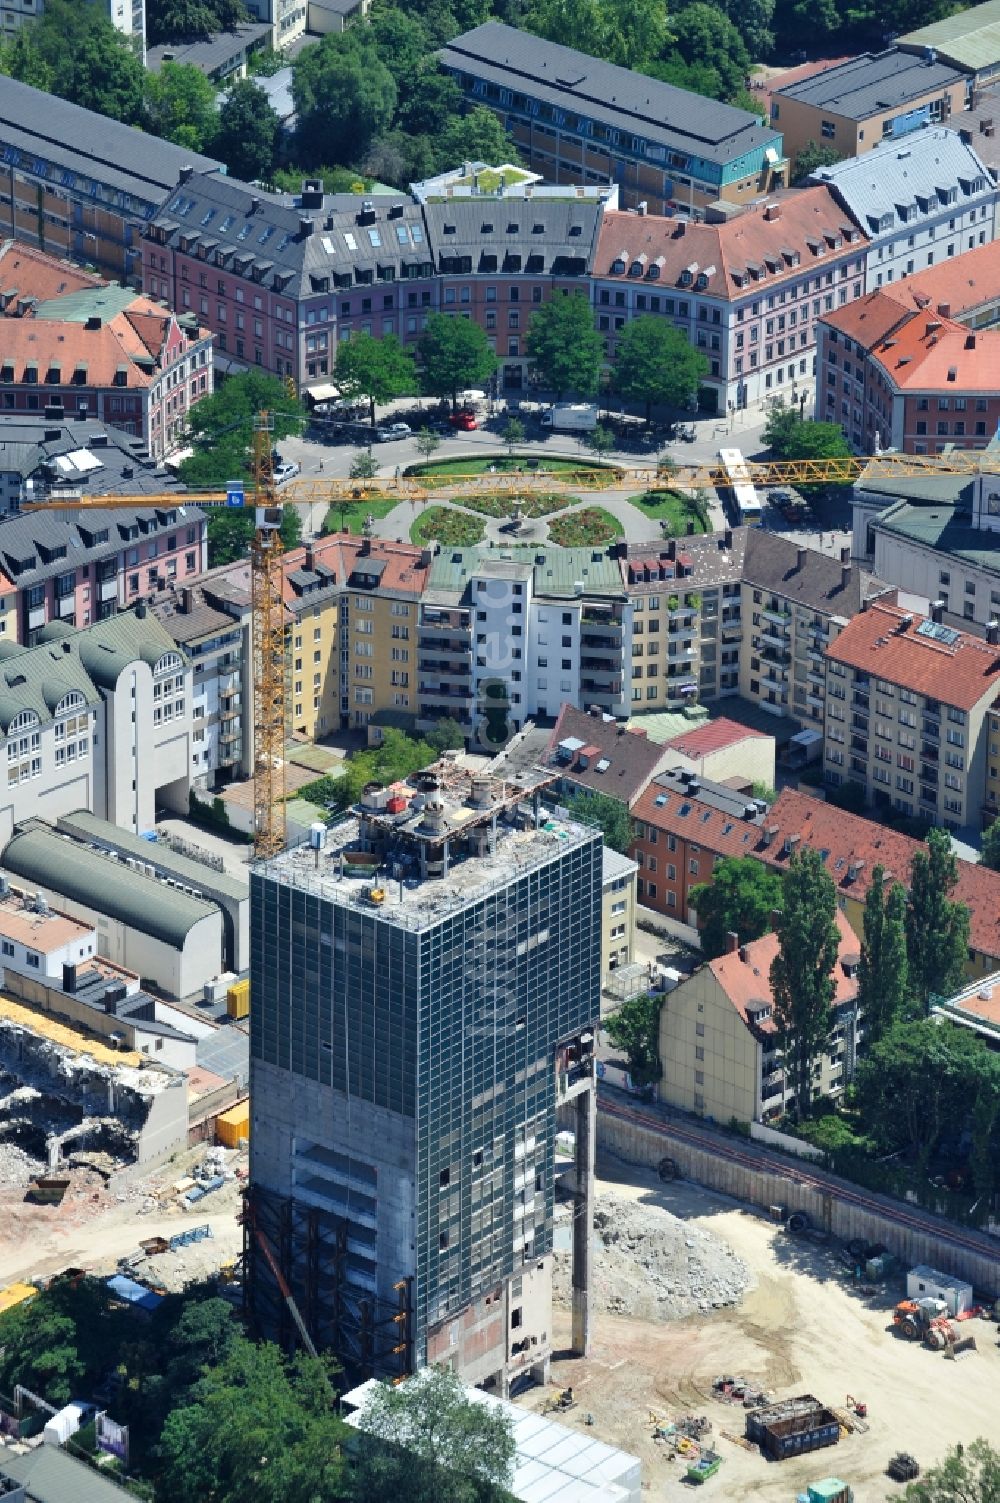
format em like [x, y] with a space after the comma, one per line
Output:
[945, 529]
[971, 38]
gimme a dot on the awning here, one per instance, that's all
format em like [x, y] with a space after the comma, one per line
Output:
[325, 391]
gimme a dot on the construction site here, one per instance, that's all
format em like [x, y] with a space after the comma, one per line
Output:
[733, 1354]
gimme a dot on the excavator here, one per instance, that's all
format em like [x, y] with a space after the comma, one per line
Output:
[927, 1320]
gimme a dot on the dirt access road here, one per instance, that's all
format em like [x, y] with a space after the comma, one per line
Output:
[802, 1329]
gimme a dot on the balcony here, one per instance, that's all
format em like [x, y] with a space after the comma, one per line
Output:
[859, 744]
[773, 639]
[597, 665]
[812, 677]
[928, 795]
[860, 722]
[861, 702]
[930, 752]
[778, 616]
[460, 692]
[931, 730]
[775, 682]
[449, 670]
[592, 615]
[815, 701]
[610, 686]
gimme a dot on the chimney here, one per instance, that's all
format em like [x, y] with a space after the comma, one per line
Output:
[854, 869]
[642, 208]
[742, 952]
[732, 942]
[845, 576]
[305, 227]
[672, 549]
[993, 633]
[800, 558]
[945, 310]
[184, 174]
[187, 599]
[772, 211]
[845, 554]
[937, 611]
[791, 841]
[254, 205]
[310, 558]
[770, 834]
[69, 979]
[728, 537]
[140, 610]
[690, 529]
[775, 918]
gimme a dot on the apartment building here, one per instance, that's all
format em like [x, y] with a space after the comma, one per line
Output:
[286, 18]
[577, 119]
[40, 455]
[420, 1133]
[591, 752]
[223, 57]
[920, 200]
[96, 719]
[210, 620]
[77, 184]
[686, 602]
[80, 567]
[719, 1046]
[127, 16]
[504, 636]
[746, 290]
[313, 581]
[796, 601]
[857, 104]
[991, 798]
[684, 825]
[851, 848]
[907, 700]
[618, 912]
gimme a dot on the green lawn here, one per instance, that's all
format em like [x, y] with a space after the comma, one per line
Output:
[445, 525]
[351, 514]
[580, 529]
[503, 464]
[671, 508]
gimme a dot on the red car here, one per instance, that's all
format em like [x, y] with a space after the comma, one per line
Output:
[464, 420]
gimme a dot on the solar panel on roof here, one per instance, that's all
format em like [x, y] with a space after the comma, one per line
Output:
[938, 633]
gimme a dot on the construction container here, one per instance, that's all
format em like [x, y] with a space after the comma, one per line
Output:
[830, 1490]
[15, 1294]
[706, 1466]
[233, 1127]
[238, 1000]
[792, 1427]
[47, 1190]
[66, 1422]
[923, 1282]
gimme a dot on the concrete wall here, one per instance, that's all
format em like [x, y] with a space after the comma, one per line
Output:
[165, 1129]
[844, 1210]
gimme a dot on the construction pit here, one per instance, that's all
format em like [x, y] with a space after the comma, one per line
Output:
[780, 1312]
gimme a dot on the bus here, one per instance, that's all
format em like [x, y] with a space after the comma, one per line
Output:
[740, 491]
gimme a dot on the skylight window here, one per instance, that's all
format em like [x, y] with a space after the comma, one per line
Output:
[352, 244]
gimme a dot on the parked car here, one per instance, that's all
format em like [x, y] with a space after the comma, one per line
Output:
[390, 431]
[466, 421]
[286, 470]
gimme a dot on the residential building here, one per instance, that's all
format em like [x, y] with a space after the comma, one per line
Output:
[906, 713]
[382, 584]
[210, 620]
[991, 800]
[77, 184]
[746, 290]
[579, 120]
[100, 352]
[497, 261]
[273, 277]
[314, 578]
[796, 601]
[97, 719]
[527, 636]
[128, 16]
[618, 902]
[723, 751]
[418, 1135]
[976, 1007]
[684, 826]
[48, 1474]
[897, 372]
[978, 126]
[41, 455]
[286, 18]
[719, 1046]
[919, 200]
[224, 57]
[76, 568]
[592, 752]
[851, 847]
[969, 40]
[324, 16]
[854, 106]
[685, 598]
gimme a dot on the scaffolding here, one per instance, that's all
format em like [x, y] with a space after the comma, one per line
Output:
[371, 1336]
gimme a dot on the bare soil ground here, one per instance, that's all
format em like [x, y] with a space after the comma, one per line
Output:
[801, 1329]
[93, 1228]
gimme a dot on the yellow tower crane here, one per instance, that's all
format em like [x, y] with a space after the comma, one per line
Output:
[266, 574]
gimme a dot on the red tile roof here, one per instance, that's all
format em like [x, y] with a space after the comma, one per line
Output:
[806, 223]
[718, 828]
[853, 846]
[133, 340]
[887, 642]
[713, 736]
[27, 272]
[403, 574]
[748, 980]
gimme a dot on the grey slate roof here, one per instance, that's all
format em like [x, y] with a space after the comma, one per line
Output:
[631, 759]
[239, 223]
[49, 860]
[890, 178]
[87, 826]
[35, 546]
[872, 83]
[213, 52]
[51, 1475]
[83, 142]
[555, 236]
[772, 562]
[946, 529]
[568, 79]
[33, 446]
[649, 569]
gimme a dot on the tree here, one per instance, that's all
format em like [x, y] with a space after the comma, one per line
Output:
[364, 466]
[74, 51]
[344, 96]
[937, 929]
[790, 436]
[882, 974]
[454, 354]
[802, 981]
[475, 137]
[427, 443]
[705, 37]
[513, 434]
[255, 1426]
[753, 19]
[425, 1441]
[609, 814]
[378, 369]
[989, 855]
[814, 155]
[221, 426]
[180, 105]
[567, 349]
[968, 1474]
[58, 1343]
[740, 899]
[445, 735]
[600, 440]
[230, 532]
[190, 20]
[623, 33]
[635, 1029]
[247, 133]
[655, 363]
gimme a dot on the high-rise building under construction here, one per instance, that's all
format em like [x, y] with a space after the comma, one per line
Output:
[425, 984]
